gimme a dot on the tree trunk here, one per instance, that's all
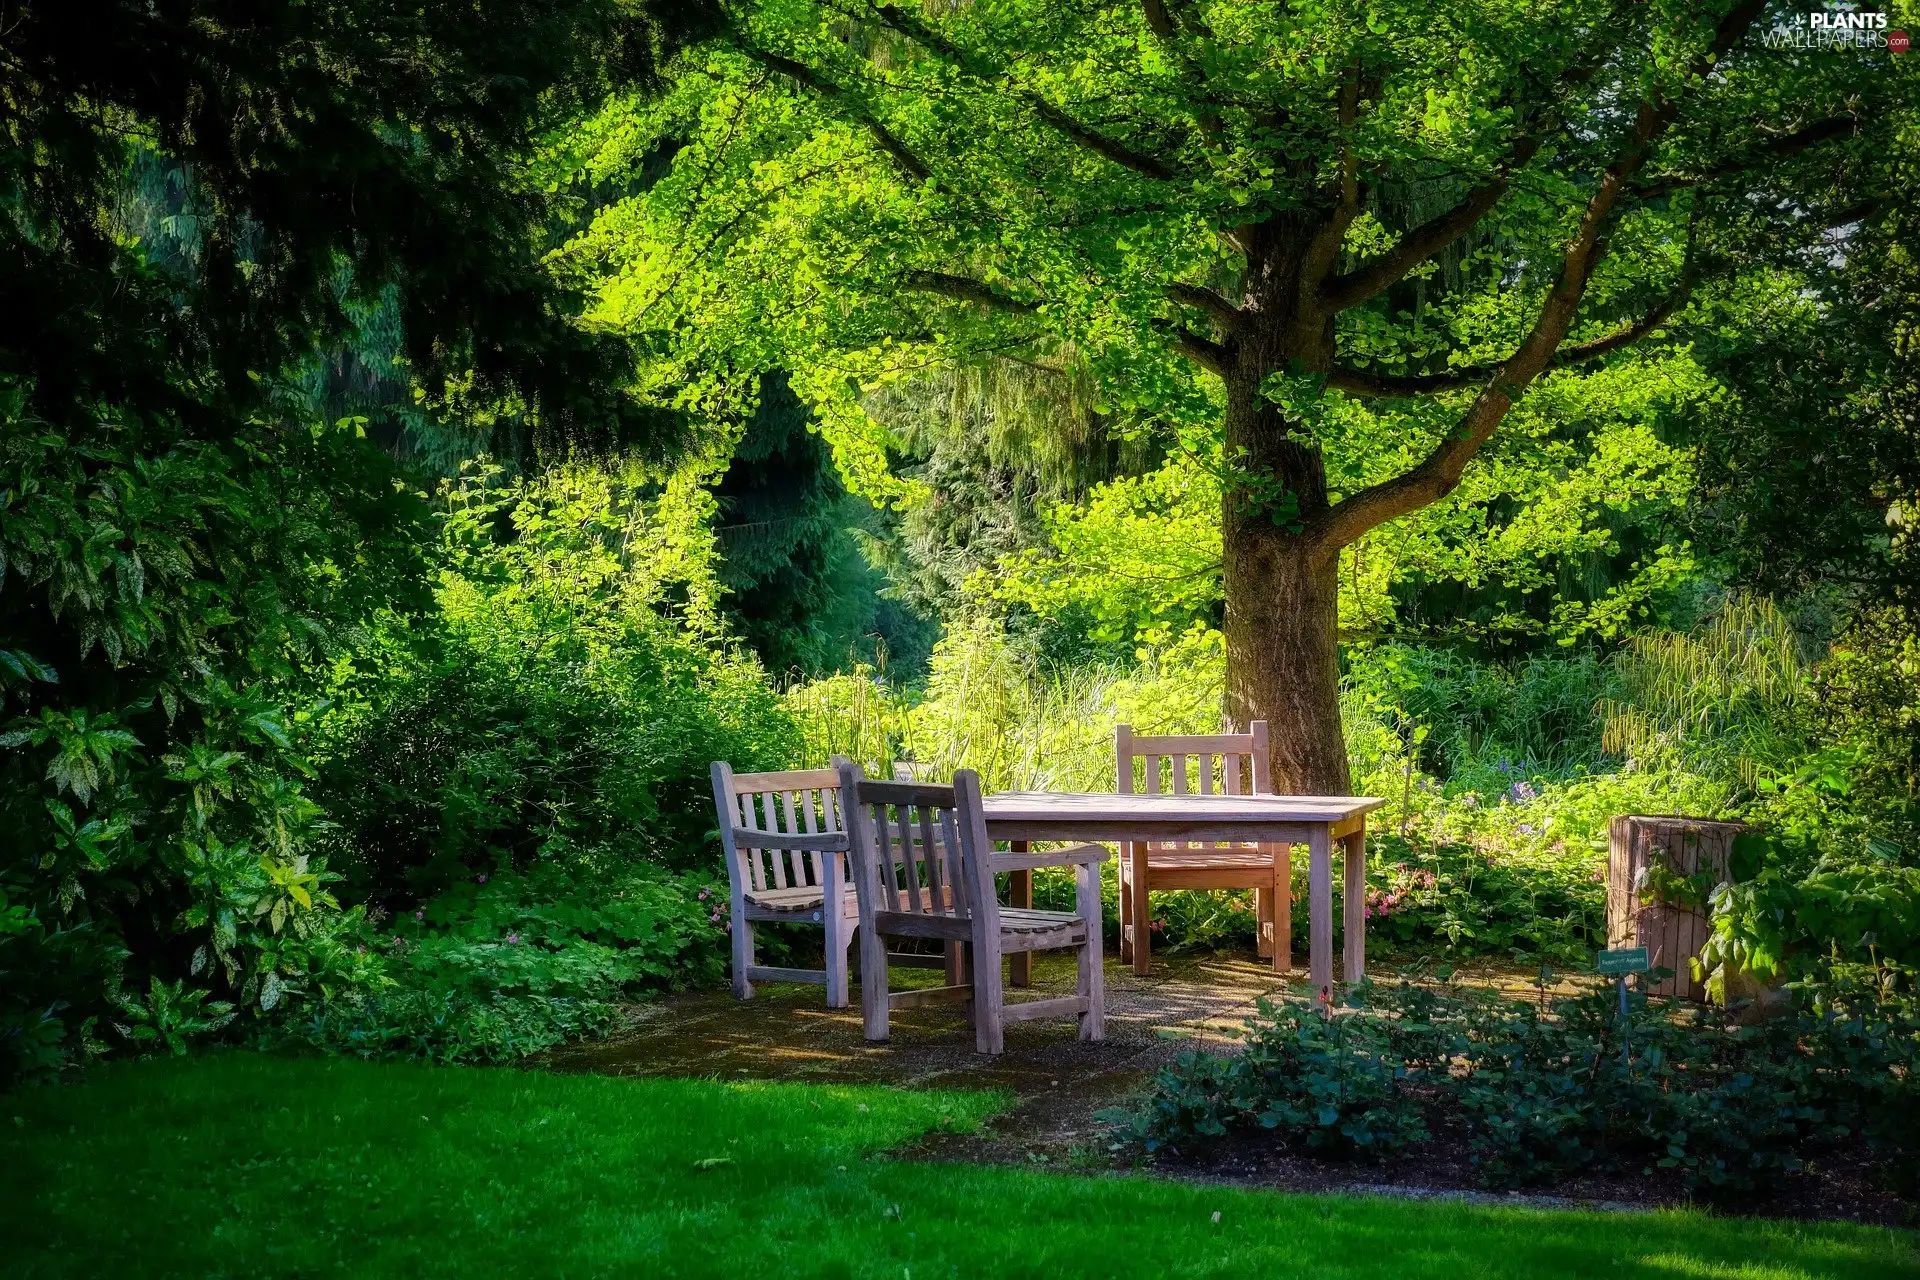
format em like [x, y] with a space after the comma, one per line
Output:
[1282, 611]
[1283, 664]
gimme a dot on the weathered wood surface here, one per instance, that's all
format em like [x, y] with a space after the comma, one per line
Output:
[786, 854]
[1210, 834]
[923, 866]
[1672, 933]
[1231, 815]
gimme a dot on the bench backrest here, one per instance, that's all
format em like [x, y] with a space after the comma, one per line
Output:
[776, 827]
[919, 847]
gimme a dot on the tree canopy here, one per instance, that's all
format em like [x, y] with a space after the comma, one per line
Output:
[1323, 249]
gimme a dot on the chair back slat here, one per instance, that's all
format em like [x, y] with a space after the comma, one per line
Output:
[1227, 763]
[914, 844]
[757, 809]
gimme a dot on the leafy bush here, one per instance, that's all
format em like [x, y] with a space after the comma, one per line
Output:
[572, 696]
[494, 970]
[1547, 1089]
[164, 595]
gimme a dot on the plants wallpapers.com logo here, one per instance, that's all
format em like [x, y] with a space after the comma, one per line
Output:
[1837, 29]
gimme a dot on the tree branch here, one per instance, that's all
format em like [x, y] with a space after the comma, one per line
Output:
[1777, 149]
[889, 142]
[1439, 472]
[1205, 352]
[1091, 139]
[967, 289]
[1225, 314]
[1358, 382]
[1430, 237]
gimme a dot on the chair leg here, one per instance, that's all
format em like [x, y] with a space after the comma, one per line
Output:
[1093, 977]
[1142, 912]
[1263, 923]
[873, 983]
[839, 939]
[1123, 905]
[742, 955]
[989, 996]
[956, 964]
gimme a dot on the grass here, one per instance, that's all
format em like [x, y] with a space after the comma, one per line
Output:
[238, 1164]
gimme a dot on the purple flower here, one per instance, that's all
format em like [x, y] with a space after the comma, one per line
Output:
[419, 915]
[1526, 828]
[479, 879]
[513, 937]
[703, 895]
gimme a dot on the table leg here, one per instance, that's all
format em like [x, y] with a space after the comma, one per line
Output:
[1320, 909]
[1019, 894]
[1354, 906]
[1280, 908]
[1142, 904]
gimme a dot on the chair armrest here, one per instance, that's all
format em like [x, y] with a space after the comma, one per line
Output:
[1082, 855]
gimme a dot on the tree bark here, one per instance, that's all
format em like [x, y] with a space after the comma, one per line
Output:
[1283, 663]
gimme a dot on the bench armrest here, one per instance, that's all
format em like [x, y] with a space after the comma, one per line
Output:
[1083, 855]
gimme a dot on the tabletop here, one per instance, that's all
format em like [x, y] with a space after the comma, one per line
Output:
[1044, 815]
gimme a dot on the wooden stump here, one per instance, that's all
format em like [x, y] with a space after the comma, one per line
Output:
[1672, 933]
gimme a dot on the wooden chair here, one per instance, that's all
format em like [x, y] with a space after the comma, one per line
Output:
[786, 863]
[1225, 763]
[923, 867]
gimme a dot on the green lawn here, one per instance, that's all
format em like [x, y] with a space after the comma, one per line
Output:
[245, 1165]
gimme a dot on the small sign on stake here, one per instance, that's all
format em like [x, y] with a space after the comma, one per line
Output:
[1620, 962]
[1623, 960]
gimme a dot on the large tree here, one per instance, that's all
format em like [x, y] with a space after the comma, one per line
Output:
[1239, 220]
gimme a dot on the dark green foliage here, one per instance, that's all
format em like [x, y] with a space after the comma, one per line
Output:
[1549, 1088]
[165, 597]
[1807, 461]
[389, 136]
[800, 591]
[197, 198]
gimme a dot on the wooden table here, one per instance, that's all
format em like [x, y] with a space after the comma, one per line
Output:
[1315, 821]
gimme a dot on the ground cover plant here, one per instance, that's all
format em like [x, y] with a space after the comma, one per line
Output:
[1543, 1090]
[235, 1164]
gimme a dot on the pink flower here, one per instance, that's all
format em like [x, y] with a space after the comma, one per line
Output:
[479, 879]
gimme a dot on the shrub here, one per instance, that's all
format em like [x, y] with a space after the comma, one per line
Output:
[1547, 1089]
[509, 965]
[572, 696]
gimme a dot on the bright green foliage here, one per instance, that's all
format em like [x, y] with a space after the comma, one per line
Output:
[1723, 1109]
[243, 1163]
[568, 702]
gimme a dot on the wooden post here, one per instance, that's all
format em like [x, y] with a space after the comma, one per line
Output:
[1019, 894]
[1672, 933]
[1320, 909]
